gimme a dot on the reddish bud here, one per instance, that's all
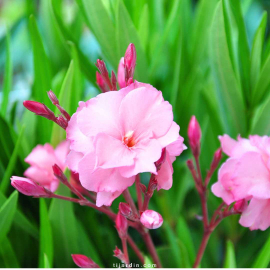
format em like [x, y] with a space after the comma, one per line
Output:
[130, 57]
[59, 173]
[151, 219]
[119, 254]
[114, 81]
[240, 206]
[217, 158]
[102, 68]
[121, 225]
[101, 83]
[190, 164]
[39, 109]
[143, 188]
[129, 81]
[63, 112]
[153, 183]
[53, 97]
[83, 262]
[61, 121]
[28, 187]
[125, 209]
[194, 135]
[162, 159]
[121, 74]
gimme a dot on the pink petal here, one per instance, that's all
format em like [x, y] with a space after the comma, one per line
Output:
[73, 160]
[144, 109]
[101, 179]
[164, 176]
[106, 198]
[61, 152]
[257, 215]
[171, 136]
[112, 152]
[147, 153]
[220, 192]
[177, 147]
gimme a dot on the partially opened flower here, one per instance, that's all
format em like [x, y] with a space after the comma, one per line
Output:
[151, 219]
[119, 134]
[245, 176]
[41, 160]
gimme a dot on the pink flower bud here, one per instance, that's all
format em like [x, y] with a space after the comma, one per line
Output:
[101, 83]
[125, 209]
[28, 187]
[216, 159]
[39, 109]
[121, 225]
[130, 57]
[143, 188]
[83, 262]
[63, 112]
[194, 135]
[53, 97]
[102, 68]
[119, 254]
[114, 81]
[151, 219]
[61, 121]
[59, 173]
[162, 159]
[240, 206]
[121, 74]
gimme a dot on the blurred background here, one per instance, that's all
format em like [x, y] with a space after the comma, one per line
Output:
[210, 58]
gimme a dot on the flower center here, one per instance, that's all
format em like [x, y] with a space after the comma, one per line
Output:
[128, 139]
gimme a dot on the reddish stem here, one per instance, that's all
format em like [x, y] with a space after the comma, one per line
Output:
[135, 248]
[125, 249]
[130, 201]
[138, 190]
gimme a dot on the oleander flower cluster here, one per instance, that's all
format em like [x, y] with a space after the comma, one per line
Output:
[245, 177]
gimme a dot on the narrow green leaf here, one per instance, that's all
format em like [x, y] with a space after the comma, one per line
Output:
[42, 79]
[46, 240]
[126, 33]
[230, 261]
[100, 23]
[7, 212]
[65, 234]
[256, 57]
[46, 262]
[12, 162]
[148, 263]
[7, 77]
[58, 134]
[8, 255]
[143, 30]
[228, 89]
[185, 238]
[263, 259]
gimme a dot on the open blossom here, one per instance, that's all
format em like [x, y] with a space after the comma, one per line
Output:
[41, 160]
[119, 134]
[245, 177]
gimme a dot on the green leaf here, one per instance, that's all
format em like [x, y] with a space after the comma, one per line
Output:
[7, 77]
[65, 233]
[58, 134]
[184, 236]
[228, 88]
[256, 58]
[42, 79]
[45, 239]
[230, 261]
[7, 212]
[148, 263]
[126, 33]
[143, 30]
[46, 262]
[12, 162]
[100, 23]
[263, 259]
[8, 255]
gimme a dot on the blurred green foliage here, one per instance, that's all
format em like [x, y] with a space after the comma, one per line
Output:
[210, 58]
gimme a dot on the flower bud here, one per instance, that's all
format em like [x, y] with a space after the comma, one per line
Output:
[194, 135]
[53, 97]
[151, 219]
[101, 83]
[83, 262]
[143, 188]
[114, 81]
[130, 58]
[102, 68]
[121, 225]
[217, 158]
[61, 121]
[28, 187]
[119, 254]
[125, 209]
[63, 112]
[39, 109]
[121, 74]
[240, 206]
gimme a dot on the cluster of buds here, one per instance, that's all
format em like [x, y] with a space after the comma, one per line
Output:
[120, 255]
[42, 110]
[83, 261]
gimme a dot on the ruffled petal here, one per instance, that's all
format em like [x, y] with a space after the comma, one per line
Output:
[106, 198]
[73, 160]
[164, 176]
[61, 152]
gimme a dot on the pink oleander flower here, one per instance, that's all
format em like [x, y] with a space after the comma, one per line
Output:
[41, 160]
[151, 219]
[27, 187]
[119, 134]
[245, 177]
